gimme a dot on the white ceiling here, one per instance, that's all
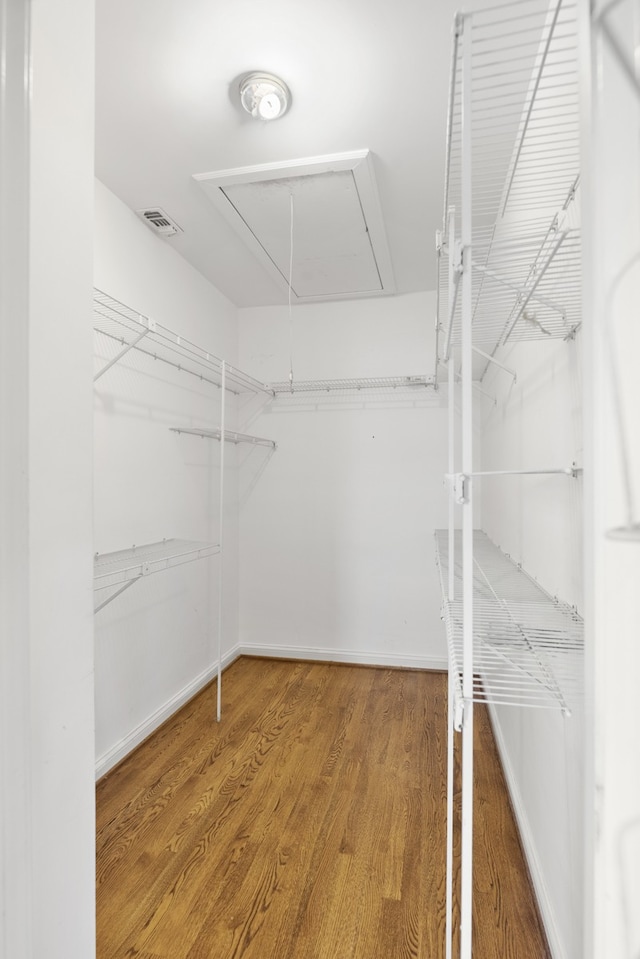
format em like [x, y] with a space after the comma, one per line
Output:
[364, 74]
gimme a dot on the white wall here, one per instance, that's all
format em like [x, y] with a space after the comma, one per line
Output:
[336, 527]
[47, 829]
[157, 643]
[612, 285]
[537, 424]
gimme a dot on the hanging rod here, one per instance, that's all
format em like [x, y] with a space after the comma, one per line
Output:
[366, 383]
[230, 436]
[564, 471]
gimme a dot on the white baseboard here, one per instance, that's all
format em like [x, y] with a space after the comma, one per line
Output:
[129, 742]
[528, 844]
[355, 657]
[137, 735]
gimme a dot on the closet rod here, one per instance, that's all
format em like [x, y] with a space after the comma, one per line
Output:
[230, 436]
[565, 471]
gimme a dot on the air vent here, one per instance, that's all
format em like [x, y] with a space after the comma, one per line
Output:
[159, 222]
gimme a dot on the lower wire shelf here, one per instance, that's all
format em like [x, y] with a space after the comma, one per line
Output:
[527, 645]
[121, 569]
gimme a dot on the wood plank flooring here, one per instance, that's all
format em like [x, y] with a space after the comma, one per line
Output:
[308, 824]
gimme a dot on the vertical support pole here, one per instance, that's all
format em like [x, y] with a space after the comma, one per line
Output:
[451, 470]
[451, 231]
[466, 894]
[221, 564]
[449, 886]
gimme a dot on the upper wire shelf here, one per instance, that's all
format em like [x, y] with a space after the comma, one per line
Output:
[354, 384]
[527, 645]
[128, 330]
[525, 157]
[121, 569]
[230, 436]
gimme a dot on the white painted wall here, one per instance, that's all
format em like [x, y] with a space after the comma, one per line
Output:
[612, 284]
[47, 829]
[336, 527]
[537, 424]
[157, 643]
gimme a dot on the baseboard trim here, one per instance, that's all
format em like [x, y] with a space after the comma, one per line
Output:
[128, 743]
[528, 844]
[348, 656]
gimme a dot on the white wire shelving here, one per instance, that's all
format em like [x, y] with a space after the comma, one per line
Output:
[509, 271]
[128, 330]
[230, 436]
[523, 249]
[528, 645]
[121, 569]
[398, 383]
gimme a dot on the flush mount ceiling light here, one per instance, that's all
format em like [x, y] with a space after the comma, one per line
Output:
[264, 96]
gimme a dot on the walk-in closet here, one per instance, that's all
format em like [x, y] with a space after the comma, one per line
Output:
[319, 479]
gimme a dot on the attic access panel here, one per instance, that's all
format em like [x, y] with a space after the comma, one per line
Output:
[339, 243]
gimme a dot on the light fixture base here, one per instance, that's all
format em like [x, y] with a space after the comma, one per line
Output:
[264, 96]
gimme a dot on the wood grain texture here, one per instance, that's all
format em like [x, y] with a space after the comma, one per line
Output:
[308, 824]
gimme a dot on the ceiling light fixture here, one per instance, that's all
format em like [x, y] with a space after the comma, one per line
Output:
[264, 96]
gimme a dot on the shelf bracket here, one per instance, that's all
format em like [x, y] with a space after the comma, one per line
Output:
[492, 359]
[117, 593]
[123, 352]
[460, 486]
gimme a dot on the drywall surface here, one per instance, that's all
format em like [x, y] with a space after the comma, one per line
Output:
[157, 643]
[49, 444]
[612, 284]
[537, 424]
[336, 526]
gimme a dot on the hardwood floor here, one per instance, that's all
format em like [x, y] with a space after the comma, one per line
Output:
[308, 824]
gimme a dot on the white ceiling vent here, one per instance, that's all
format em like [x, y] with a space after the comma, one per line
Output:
[339, 243]
[159, 222]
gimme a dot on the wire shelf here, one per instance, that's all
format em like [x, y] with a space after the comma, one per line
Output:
[125, 330]
[126, 566]
[230, 436]
[528, 645]
[525, 156]
[351, 385]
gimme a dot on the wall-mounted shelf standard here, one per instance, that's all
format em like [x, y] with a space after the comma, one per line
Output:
[124, 567]
[350, 385]
[230, 436]
[133, 331]
[528, 645]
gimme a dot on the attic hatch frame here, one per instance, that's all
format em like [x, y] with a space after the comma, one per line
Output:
[359, 163]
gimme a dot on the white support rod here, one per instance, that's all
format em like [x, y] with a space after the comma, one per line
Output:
[221, 537]
[117, 593]
[457, 29]
[529, 296]
[452, 460]
[450, 767]
[534, 94]
[521, 290]
[123, 352]
[466, 867]
[492, 359]
[454, 279]
[437, 343]
[566, 471]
